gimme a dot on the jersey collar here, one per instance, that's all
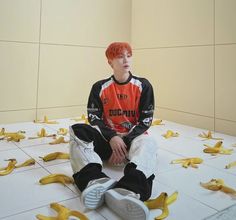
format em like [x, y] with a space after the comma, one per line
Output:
[122, 83]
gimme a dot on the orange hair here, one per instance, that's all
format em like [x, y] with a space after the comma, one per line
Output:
[117, 48]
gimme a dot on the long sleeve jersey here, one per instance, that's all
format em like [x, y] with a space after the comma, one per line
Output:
[124, 109]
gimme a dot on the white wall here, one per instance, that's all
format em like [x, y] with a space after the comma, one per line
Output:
[52, 51]
[187, 48]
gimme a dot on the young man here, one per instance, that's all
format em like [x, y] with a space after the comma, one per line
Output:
[120, 110]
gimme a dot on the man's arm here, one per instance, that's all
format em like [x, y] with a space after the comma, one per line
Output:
[95, 112]
[146, 110]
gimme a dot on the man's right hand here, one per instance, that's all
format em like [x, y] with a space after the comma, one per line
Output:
[119, 150]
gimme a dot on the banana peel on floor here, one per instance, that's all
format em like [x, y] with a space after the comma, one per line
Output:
[208, 136]
[82, 118]
[157, 122]
[162, 202]
[9, 168]
[42, 133]
[56, 178]
[45, 121]
[59, 140]
[12, 165]
[217, 149]
[28, 162]
[62, 131]
[12, 136]
[63, 213]
[186, 162]
[170, 134]
[230, 165]
[55, 156]
[219, 185]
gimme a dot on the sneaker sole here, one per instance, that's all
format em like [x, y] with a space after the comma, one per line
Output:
[93, 196]
[126, 207]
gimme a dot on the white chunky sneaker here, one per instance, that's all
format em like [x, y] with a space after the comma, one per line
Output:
[93, 195]
[126, 204]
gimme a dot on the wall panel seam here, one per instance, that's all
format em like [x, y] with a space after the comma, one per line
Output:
[39, 50]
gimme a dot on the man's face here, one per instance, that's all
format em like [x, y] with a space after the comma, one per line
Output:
[122, 63]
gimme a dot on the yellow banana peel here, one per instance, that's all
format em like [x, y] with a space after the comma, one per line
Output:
[12, 136]
[230, 165]
[218, 185]
[63, 213]
[26, 163]
[55, 155]
[208, 136]
[46, 121]
[217, 149]
[2, 132]
[157, 122]
[219, 144]
[42, 133]
[188, 162]
[62, 131]
[59, 140]
[162, 202]
[86, 121]
[170, 134]
[82, 118]
[9, 168]
[12, 165]
[56, 178]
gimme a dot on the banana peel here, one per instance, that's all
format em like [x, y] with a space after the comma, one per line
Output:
[230, 165]
[86, 121]
[45, 121]
[63, 213]
[12, 136]
[82, 118]
[12, 165]
[42, 133]
[55, 155]
[157, 122]
[62, 131]
[208, 136]
[162, 202]
[56, 178]
[28, 162]
[218, 185]
[9, 168]
[217, 149]
[2, 132]
[188, 162]
[59, 140]
[170, 134]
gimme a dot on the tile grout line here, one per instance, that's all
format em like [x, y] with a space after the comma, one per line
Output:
[39, 54]
[214, 63]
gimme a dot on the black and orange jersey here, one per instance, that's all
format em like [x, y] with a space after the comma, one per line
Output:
[121, 108]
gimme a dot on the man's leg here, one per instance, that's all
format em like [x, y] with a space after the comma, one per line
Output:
[136, 184]
[87, 165]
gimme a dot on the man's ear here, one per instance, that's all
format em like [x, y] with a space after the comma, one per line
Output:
[109, 62]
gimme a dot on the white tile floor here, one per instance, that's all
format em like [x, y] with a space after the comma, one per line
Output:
[22, 197]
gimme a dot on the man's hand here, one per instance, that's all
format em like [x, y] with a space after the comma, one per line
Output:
[119, 150]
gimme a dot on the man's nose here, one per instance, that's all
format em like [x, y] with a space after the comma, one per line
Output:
[125, 59]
